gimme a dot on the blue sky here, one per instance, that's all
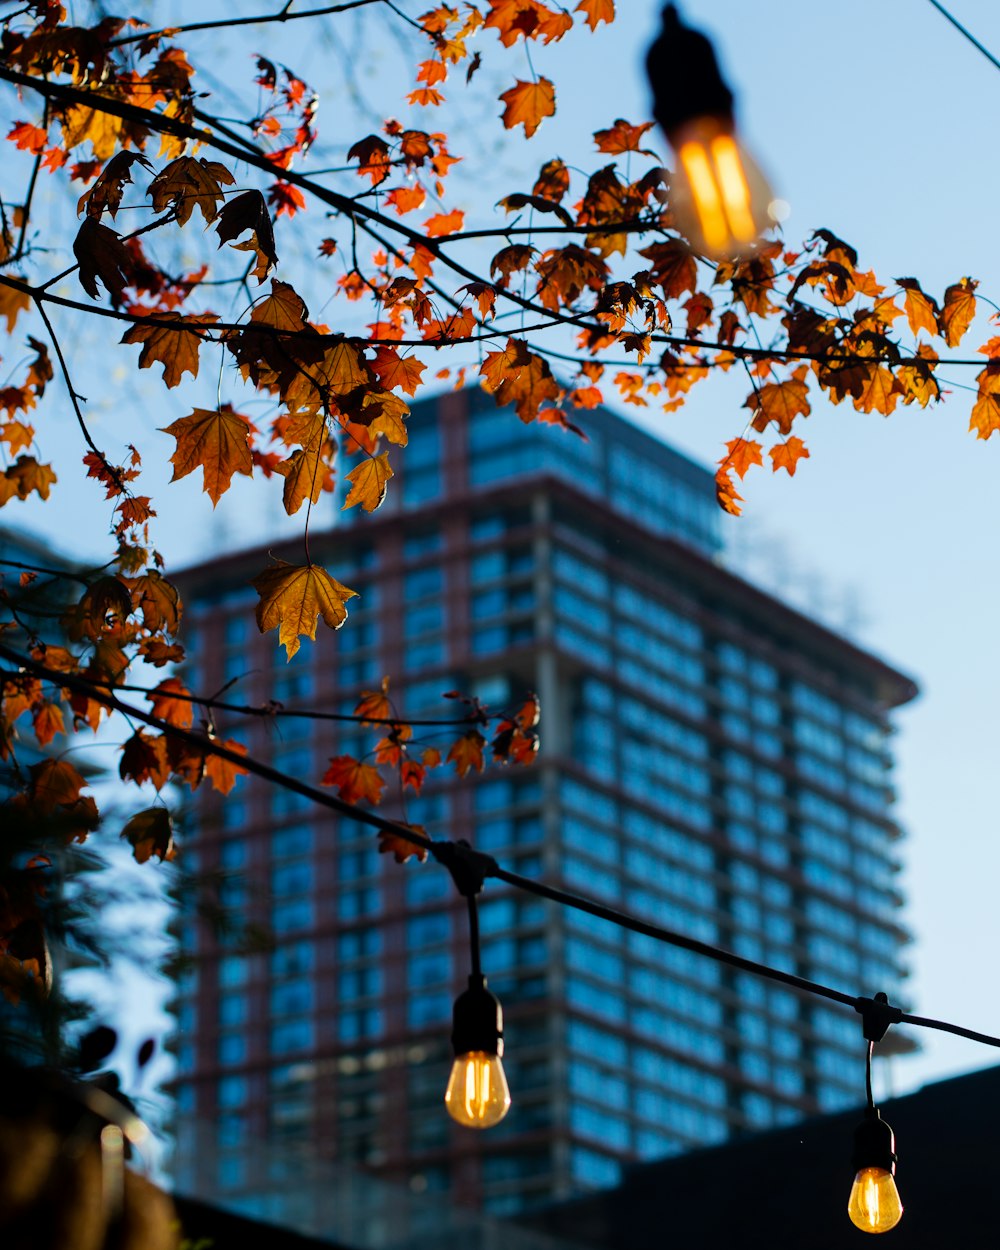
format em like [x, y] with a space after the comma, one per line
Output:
[876, 120]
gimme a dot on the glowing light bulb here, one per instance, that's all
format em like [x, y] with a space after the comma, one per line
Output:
[874, 1205]
[720, 200]
[477, 1095]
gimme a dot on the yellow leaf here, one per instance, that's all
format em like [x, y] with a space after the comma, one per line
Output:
[81, 122]
[294, 596]
[880, 393]
[368, 482]
[307, 473]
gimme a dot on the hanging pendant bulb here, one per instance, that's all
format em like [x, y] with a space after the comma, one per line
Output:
[477, 1095]
[720, 200]
[874, 1205]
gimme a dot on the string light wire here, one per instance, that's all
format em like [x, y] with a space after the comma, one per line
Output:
[460, 858]
[967, 33]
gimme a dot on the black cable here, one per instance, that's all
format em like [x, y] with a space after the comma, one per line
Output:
[869, 1051]
[967, 33]
[476, 864]
[477, 965]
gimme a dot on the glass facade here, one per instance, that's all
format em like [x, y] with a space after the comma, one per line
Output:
[711, 762]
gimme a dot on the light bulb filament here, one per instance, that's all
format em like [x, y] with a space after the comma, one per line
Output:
[477, 1094]
[874, 1205]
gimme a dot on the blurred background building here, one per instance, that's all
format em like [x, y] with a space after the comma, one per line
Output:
[712, 761]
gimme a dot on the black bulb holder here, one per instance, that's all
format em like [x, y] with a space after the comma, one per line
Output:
[874, 1144]
[477, 1021]
[685, 76]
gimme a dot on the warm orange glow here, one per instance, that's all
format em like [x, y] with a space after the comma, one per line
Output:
[735, 192]
[705, 195]
[720, 199]
[874, 1205]
[477, 1094]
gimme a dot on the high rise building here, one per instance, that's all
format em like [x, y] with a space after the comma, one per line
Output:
[713, 761]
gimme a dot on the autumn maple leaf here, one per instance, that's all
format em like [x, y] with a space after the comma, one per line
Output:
[170, 343]
[368, 482]
[467, 752]
[294, 596]
[399, 848]
[217, 442]
[150, 833]
[354, 781]
[222, 773]
[958, 311]
[597, 11]
[170, 705]
[188, 183]
[787, 455]
[527, 104]
[741, 455]
[780, 402]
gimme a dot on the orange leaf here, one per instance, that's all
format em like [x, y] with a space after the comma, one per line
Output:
[368, 482]
[742, 453]
[519, 377]
[780, 402]
[467, 752]
[12, 303]
[28, 138]
[726, 495]
[958, 311]
[393, 370]
[54, 783]
[355, 781]
[293, 597]
[151, 833]
[173, 345]
[921, 311]
[47, 721]
[373, 158]
[787, 455]
[222, 773]
[406, 199]
[167, 706]
[622, 137]
[985, 418]
[374, 704]
[880, 393]
[218, 442]
[23, 477]
[399, 848]
[527, 104]
[444, 223]
[596, 11]
[144, 758]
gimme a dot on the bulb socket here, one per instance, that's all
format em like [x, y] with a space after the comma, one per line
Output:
[477, 1021]
[685, 77]
[874, 1144]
